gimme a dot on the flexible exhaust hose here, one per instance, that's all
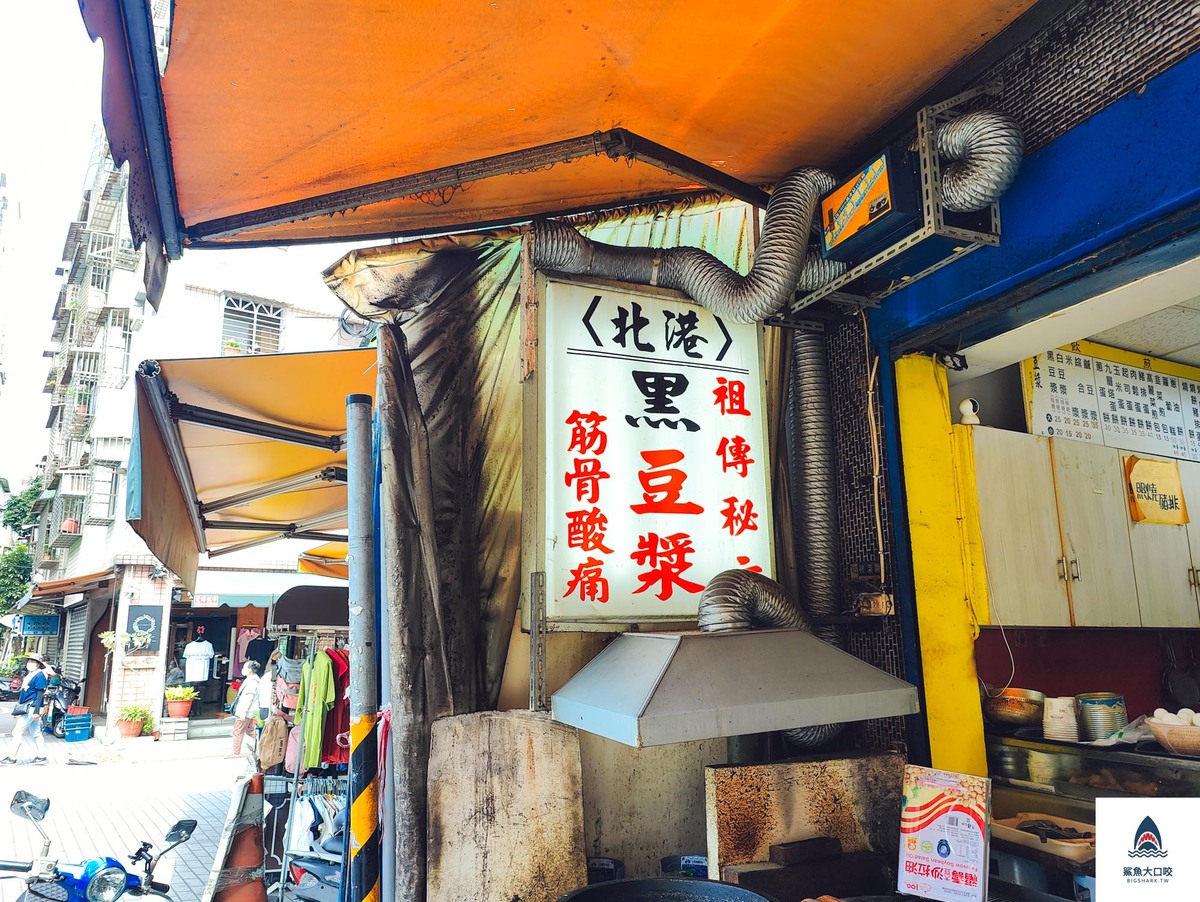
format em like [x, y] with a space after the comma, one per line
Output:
[741, 600]
[985, 147]
[812, 465]
[778, 260]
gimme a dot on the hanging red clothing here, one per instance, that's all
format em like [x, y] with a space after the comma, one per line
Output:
[337, 722]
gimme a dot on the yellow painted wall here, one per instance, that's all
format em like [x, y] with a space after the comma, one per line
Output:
[947, 561]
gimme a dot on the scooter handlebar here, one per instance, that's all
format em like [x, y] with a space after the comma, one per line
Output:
[15, 865]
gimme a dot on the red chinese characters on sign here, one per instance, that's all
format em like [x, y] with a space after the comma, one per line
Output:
[740, 516]
[662, 485]
[666, 558]
[586, 478]
[586, 529]
[586, 435]
[588, 580]
[743, 561]
[735, 455]
[731, 397]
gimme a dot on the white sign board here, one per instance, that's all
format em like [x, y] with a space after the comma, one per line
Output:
[1146, 850]
[654, 452]
[1088, 399]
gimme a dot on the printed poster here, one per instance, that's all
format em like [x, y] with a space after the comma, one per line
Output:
[1154, 491]
[657, 465]
[944, 835]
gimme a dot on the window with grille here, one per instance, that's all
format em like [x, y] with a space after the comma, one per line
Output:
[251, 327]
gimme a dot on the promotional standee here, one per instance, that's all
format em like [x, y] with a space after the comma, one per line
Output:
[944, 835]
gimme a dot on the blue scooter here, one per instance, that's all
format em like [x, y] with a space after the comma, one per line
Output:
[100, 879]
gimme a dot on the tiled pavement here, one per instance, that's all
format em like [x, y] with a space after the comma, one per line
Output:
[135, 791]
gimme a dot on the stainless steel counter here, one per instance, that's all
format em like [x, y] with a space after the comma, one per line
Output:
[1079, 774]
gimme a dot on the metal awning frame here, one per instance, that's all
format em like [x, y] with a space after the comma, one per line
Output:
[616, 144]
[277, 487]
[169, 412]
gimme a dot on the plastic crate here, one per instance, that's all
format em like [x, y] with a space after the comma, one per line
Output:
[77, 721]
[78, 734]
[74, 710]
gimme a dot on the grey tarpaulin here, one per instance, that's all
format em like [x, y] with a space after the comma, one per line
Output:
[450, 419]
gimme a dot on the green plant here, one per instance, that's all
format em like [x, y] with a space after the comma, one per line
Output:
[135, 640]
[180, 694]
[137, 712]
[148, 726]
[16, 567]
[19, 509]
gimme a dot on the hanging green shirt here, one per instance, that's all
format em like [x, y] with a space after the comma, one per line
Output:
[316, 698]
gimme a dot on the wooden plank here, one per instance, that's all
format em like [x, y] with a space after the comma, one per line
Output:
[803, 850]
[854, 799]
[505, 809]
[641, 805]
[1095, 527]
[1019, 523]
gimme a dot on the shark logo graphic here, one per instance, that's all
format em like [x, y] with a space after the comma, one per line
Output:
[1147, 842]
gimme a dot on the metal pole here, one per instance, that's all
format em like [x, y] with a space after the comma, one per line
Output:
[364, 701]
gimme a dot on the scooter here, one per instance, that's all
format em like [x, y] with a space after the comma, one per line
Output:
[56, 715]
[318, 878]
[100, 879]
[10, 686]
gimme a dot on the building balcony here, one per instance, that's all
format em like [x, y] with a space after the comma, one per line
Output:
[66, 521]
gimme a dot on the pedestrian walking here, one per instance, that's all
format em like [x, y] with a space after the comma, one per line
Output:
[28, 711]
[245, 706]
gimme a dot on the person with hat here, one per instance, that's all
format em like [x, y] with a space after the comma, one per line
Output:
[28, 711]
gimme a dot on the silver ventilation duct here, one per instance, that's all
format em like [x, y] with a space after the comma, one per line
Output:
[985, 149]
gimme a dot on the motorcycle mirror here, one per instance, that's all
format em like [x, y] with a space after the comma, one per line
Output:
[181, 832]
[31, 807]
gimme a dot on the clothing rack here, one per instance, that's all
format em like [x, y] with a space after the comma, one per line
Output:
[312, 645]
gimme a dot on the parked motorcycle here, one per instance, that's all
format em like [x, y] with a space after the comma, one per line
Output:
[10, 686]
[100, 879]
[57, 705]
[318, 877]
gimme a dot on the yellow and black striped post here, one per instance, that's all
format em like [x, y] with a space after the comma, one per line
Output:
[364, 809]
[364, 696]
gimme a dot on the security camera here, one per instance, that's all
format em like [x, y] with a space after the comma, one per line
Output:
[969, 408]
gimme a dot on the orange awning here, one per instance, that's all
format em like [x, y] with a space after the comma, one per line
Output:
[328, 559]
[259, 438]
[72, 585]
[368, 118]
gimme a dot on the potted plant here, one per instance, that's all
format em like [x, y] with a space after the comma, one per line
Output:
[132, 720]
[179, 700]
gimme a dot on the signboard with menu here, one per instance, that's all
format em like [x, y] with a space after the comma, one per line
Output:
[1089, 393]
[944, 835]
[646, 453]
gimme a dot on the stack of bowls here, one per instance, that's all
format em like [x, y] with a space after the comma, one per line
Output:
[1061, 719]
[1101, 714]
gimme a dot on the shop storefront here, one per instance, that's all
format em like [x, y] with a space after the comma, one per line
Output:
[484, 569]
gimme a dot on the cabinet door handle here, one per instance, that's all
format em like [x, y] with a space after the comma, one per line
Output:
[1062, 568]
[1192, 576]
[1075, 569]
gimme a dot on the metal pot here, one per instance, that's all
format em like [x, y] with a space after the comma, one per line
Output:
[1015, 707]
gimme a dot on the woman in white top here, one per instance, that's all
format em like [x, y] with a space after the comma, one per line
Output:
[245, 706]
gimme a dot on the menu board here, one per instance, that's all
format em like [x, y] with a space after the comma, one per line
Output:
[1083, 397]
[944, 835]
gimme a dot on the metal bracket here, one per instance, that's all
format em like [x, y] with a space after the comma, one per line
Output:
[933, 223]
[537, 642]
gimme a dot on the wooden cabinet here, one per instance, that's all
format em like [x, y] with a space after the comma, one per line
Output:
[1059, 545]
[1018, 518]
[1095, 537]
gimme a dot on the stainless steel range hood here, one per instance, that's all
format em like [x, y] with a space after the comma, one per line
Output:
[649, 689]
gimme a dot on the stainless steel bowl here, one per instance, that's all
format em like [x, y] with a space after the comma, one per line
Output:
[1015, 707]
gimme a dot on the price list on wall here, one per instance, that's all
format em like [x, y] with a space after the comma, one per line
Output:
[1090, 399]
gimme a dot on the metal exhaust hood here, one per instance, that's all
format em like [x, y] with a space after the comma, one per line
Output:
[649, 689]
